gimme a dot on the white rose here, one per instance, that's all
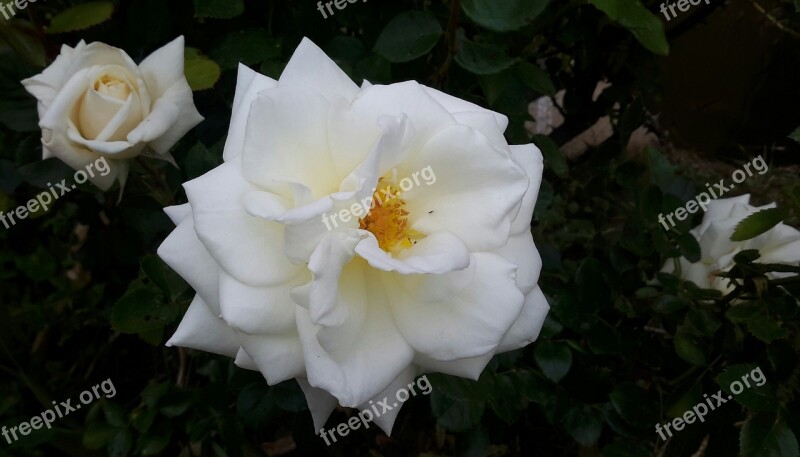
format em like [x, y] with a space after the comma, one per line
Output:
[781, 244]
[442, 277]
[94, 101]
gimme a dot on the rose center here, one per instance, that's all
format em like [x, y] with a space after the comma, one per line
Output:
[388, 219]
[112, 86]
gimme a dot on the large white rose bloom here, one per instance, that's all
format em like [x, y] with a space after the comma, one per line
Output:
[94, 102]
[439, 280]
[781, 244]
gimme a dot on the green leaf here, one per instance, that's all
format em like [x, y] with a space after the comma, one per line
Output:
[553, 157]
[120, 444]
[689, 247]
[250, 46]
[624, 449]
[81, 17]
[535, 78]
[408, 36]
[482, 59]
[555, 359]
[736, 378]
[201, 72]
[795, 135]
[218, 9]
[690, 348]
[456, 415]
[97, 435]
[758, 223]
[155, 443]
[25, 40]
[766, 328]
[584, 424]
[141, 310]
[645, 26]
[634, 405]
[742, 313]
[766, 435]
[505, 15]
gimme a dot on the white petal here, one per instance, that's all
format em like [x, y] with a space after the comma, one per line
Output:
[286, 132]
[79, 158]
[437, 253]
[164, 67]
[152, 129]
[530, 159]
[248, 84]
[521, 251]
[257, 310]
[278, 357]
[46, 84]
[354, 130]
[185, 254]
[312, 69]
[178, 213]
[248, 248]
[456, 315]
[322, 295]
[244, 361]
[320, 402]
[202, 330]
[457, 105]
[357, 360]
[476, 191]
[528, 325]
[385, 420]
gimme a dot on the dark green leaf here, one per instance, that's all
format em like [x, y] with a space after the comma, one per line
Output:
[249, 47]
[766, 435]
[645, 26]
[690, 348]
[758, 223]
[81, 17]
[584, 425]
[795, 135]
[218, 9]
[554, 359]
[689, 247]
[503, 16]
[634, 405]
[456, 415]
[535, 78]
[141, 310]
[745, 379]
[408, 36]
[766, 328]
[482, 59]
[554, 159]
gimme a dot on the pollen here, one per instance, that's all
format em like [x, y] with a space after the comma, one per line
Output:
[388, 219]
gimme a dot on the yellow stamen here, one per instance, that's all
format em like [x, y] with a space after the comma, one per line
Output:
[388, 219]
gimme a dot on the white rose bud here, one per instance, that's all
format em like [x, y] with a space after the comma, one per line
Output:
[781, 244]
[94, 102]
